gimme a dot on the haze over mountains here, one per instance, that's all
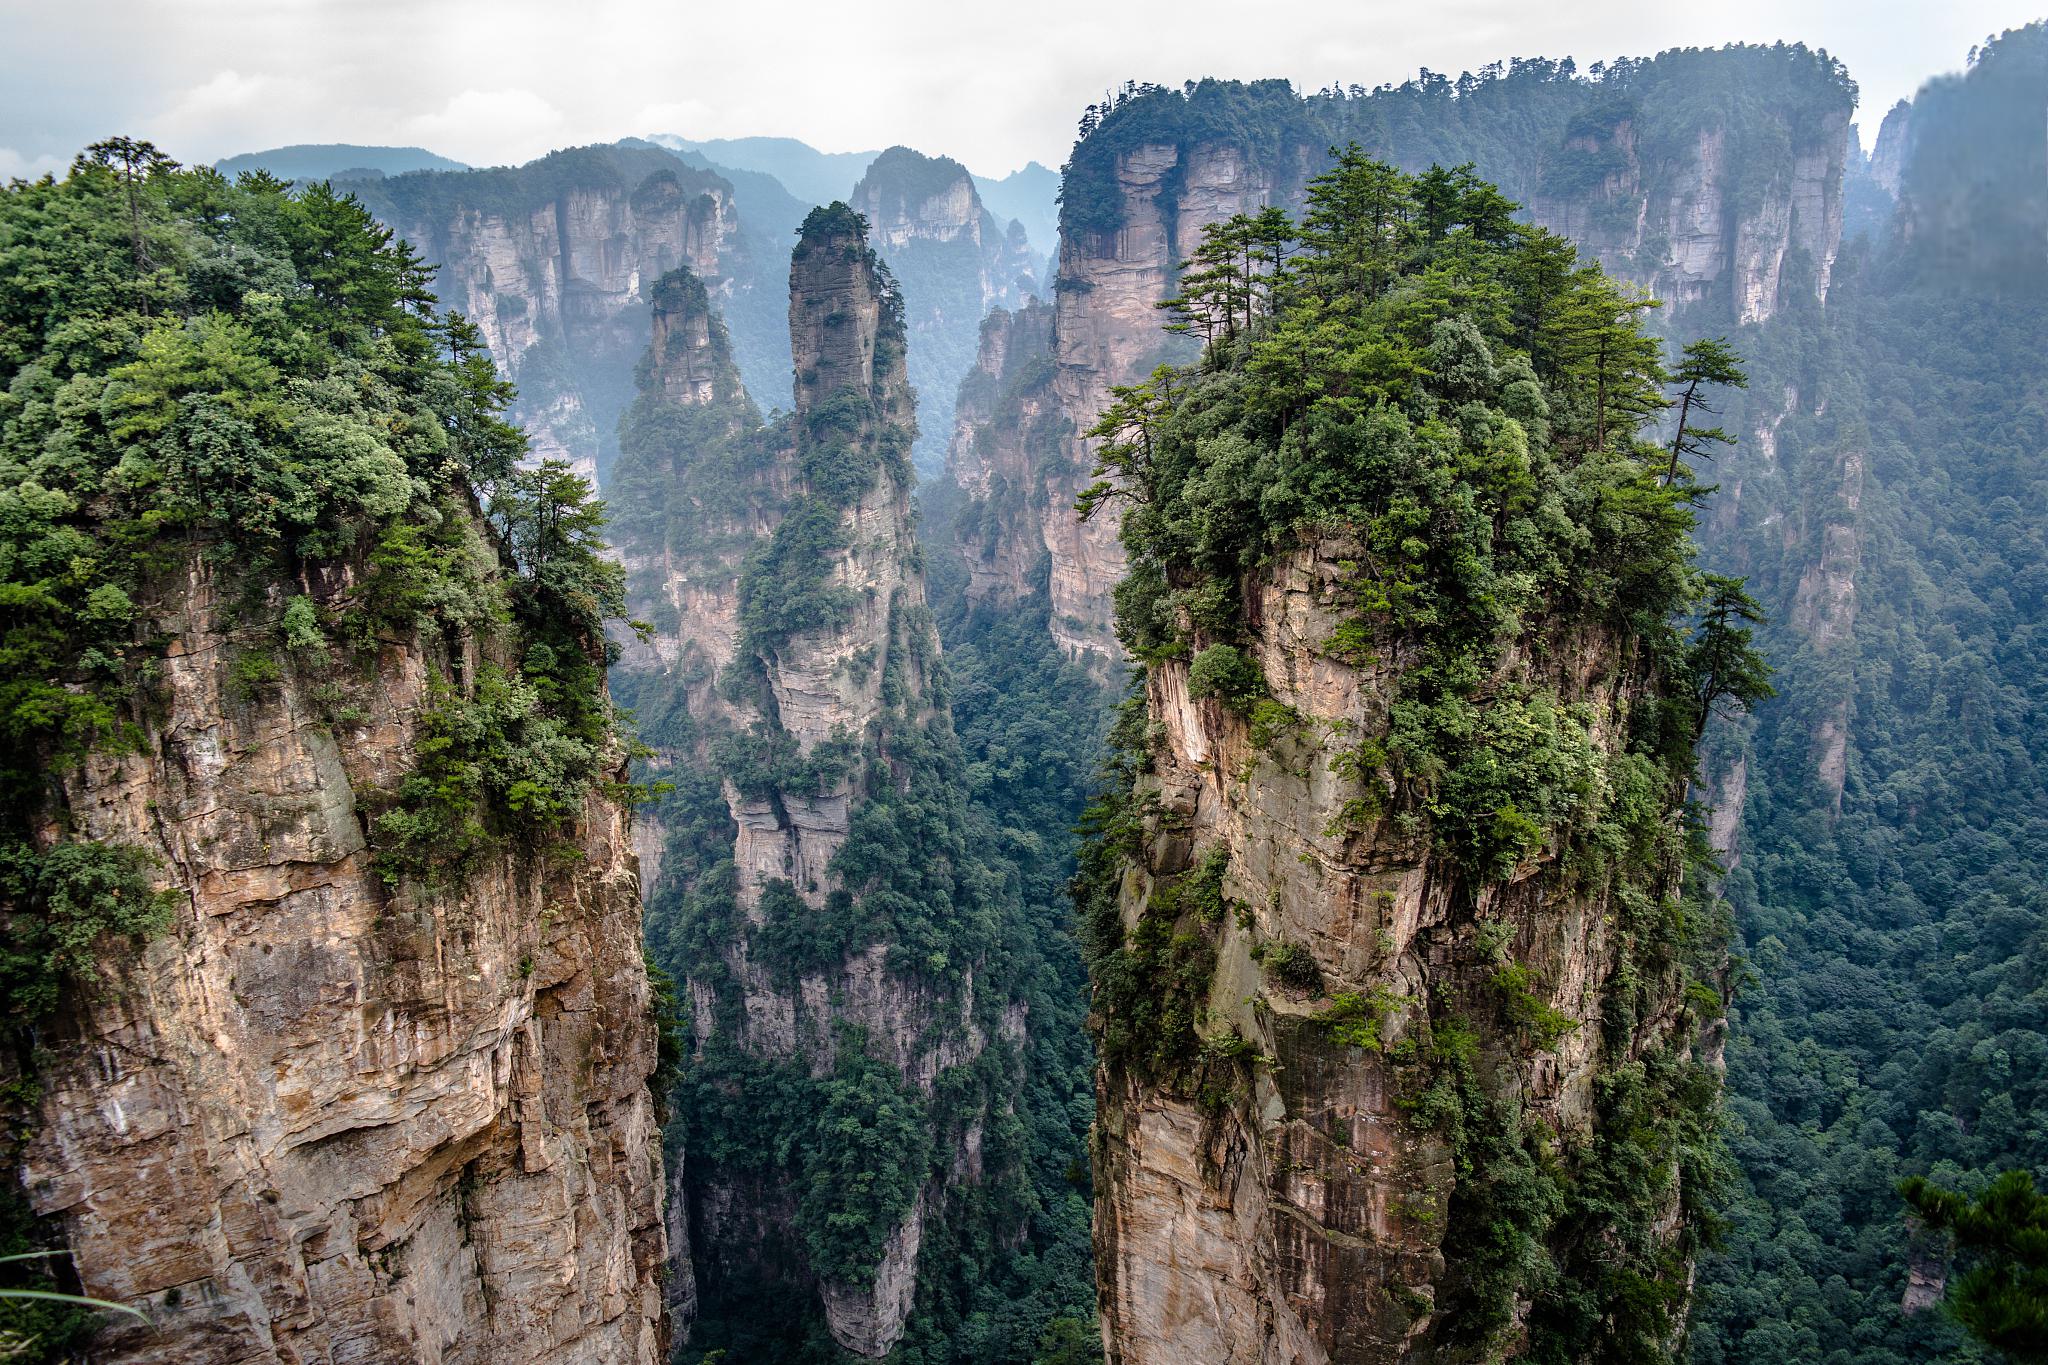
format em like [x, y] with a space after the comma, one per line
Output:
[1384, 726]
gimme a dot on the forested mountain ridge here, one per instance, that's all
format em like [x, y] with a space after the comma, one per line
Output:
[327, 1014]
[866, 966]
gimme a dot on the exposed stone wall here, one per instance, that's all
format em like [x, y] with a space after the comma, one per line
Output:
[321, 1119]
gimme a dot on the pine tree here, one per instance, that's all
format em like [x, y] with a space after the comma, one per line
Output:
[1708, 362]
[2002, 1299]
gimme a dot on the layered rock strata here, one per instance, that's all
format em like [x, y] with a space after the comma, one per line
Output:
[326, 1119]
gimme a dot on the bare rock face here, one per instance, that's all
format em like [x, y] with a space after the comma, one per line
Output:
[1711, 222]
[553, 261]
[1283, 1198]
[1701, 222]
[1009, 438]
[325, 1120]
[1106, 332]
[1888, 156]
[953, 262]
[1027, 467]
[815, 510]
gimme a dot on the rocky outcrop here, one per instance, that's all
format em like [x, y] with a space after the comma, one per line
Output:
[1009, 438]
[553, 262]
[1107, 332]
[1889, 154]
[792, 642]
[323, 1118]
[1281, 1193]
[1028, 468]
[1697, 222]
[953, 262]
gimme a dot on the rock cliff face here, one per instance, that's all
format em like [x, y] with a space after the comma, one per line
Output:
[1009, 442]
[323, 1119]
[1043, 385]
[953, 262]
[553, 261]
[1713, 217]
[1283, 1196]
[790, 680]
[1106, 331]
[1888, 155]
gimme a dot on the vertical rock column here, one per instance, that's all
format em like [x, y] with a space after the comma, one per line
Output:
[827, 923]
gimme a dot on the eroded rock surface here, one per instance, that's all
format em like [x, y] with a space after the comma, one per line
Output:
[323, 1120]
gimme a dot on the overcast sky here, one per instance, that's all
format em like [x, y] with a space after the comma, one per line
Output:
[496, 81]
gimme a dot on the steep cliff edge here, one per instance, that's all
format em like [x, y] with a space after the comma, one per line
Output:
[953, 262]
[1711, 178]
[1010, 442]
[1404, 1014]
[328, 741]
[850, 1107]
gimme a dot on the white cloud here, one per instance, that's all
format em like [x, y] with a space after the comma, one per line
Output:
[489, 127]
[685, 118]
[16, 166]
[207, 78]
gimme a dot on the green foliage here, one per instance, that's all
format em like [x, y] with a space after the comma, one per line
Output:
[491, 762]
[1226, 673]
[1890, 902]
[64, 902]
[1461, 416]
[1354, 1019]
[1454, 394]
[1706, 363]
[2003, 1297]
[868, 1154]
[257, 376]
[1292, 965]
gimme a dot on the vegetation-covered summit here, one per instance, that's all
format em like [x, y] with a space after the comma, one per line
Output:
[1459, 417]
[254, 379]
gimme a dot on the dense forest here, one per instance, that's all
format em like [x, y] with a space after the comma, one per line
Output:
[1889, 1020]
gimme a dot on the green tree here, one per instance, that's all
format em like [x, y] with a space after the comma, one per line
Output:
[2002, 1299]
[134, 160]
[1709, 362]
[1723, 660]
